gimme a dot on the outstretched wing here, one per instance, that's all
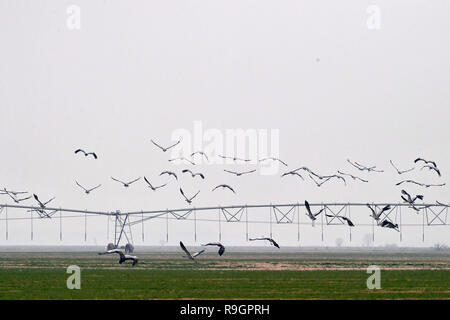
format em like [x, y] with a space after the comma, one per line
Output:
[320, 211]
[371, 209]
[227, 186]
[173, 145]
[157, 145]
[114, 251]
[198, 253]
[95, 187]
[37, 199]
[23, 199]
[134, 181]
[118, 180]
[79, 150]
[93, 154]
[187, 170]
[80, 185]
[195, 195]
[200, 174]
[274, 243]
[145, 179]
[49, 201]
[349, 222]
[186, 251]
[308, 208]
[385, 208]
[181, 190]
[169, 173]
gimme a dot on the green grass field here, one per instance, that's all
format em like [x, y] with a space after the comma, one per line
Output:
[208, 284]
[314, 276]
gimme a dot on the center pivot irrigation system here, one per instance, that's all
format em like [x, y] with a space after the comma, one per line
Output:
[429, 214]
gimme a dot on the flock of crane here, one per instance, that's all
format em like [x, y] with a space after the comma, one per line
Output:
[190, 255]
[318, 179]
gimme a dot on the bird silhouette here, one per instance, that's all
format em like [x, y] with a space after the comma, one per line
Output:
[312, 216]
[292, 173]
[234, 158]
[193, 174]
[238, 174]
[201, 153]
[273, 159]
[123, 257]
[86, 153]
[189, 200]
[376, 215]
[388, 224]
[432, 168]
[349, 222]
[126, 184]
[426, 162]
[151, 186]
[400, 171]
[15, 199]
[170, 173]
[189, 255]
[364, 168]
[165, 149]
[221, 247]
[420, 184]
[272, 242]
[352, 176]
[182, 159]
[224, 186]
[87, 191]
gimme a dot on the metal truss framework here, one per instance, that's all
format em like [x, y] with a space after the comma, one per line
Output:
[333, 213]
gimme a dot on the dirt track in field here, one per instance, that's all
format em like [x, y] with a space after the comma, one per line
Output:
[297, 261]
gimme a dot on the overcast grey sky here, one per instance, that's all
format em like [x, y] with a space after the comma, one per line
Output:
[140, 70]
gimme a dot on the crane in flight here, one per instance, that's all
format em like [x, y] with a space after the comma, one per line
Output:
[388, 224]
[426, 161]
[193, 174]
[364, 168]
[221, 247]
[182, 159]
[170, 173]
[200, 153]
[189, 255]
[189, 200]
[352, 176]
[122, 257]
[400, 171]
[410, 200]
[273, 159]
[86, 153]
[312, 216]
[349, 222]
[376, 215]
[271, 241]
[154, 188]
[165, 149]
[234, 158]
[224, 186]
[420, 184]
[238, 174]
[15, 199]
[126, 184]
[87, 191]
